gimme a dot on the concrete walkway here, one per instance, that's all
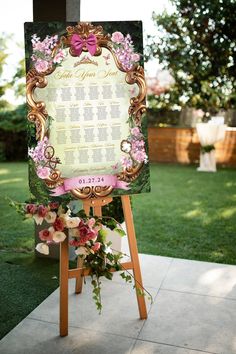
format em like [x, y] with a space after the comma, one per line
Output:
[194, 311]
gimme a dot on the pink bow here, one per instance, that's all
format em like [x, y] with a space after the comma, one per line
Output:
[78, 43]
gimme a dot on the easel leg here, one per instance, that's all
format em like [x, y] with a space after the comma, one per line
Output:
[79, 280]
[64, 267]
[134, 254]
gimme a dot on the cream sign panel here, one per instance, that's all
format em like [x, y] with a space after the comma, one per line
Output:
[86, 97]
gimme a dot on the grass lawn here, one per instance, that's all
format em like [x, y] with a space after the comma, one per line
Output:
[25, 280]
[188, 214]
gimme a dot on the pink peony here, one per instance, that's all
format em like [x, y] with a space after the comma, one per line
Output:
[43, 172]
[59, 224]
[31, 209]
[117, 37]
[45, 235]
[41, 65]
[42, 211]
[96, 246]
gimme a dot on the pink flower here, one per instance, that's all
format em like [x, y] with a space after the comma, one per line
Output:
[96, 246]
[43, 172]
[140, 156]
[126, 162]
[59, 224]
[41, 65]
[45, 235]
[91, 222]
[40, 46]
[74, 243]
[135, 131]
[117, 37]
[58, 57]
[42, 211]
[53, 205]
[31, 209]
[135, 57]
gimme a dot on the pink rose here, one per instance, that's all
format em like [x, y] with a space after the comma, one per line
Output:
[117, 37]
[42, 211]
[43, 172]
[59, 224]
[45, 235]
[41, 65]
[84, 230]
[31, 209]
[74, 243]
[53, 205]
[96, 246]
[135, 57]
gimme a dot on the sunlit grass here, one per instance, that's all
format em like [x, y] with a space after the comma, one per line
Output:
[15, 234]
[188, 214]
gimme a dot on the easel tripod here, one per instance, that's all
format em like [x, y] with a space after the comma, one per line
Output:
[79, 272]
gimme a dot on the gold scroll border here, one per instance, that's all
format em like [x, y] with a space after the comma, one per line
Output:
[38, 113]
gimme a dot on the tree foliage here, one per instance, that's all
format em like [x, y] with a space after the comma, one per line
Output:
[197, 43]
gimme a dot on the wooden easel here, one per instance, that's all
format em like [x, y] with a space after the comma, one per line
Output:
[79, 272]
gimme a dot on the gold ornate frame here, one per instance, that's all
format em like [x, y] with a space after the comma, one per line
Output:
[38, 112]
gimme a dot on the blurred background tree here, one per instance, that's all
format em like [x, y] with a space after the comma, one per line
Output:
[197, 44]
[13, 139]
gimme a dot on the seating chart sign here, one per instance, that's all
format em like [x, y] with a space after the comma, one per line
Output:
[86, 97]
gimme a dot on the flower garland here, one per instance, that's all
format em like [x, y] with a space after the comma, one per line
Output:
[46, 53]
[87, 234]
[124, 49]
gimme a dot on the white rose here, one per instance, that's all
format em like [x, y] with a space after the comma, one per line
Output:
[50, 217]
[74, 232]
[42, 248]
[72, 222]
[58, 236]
[38, 219]
[81, 251]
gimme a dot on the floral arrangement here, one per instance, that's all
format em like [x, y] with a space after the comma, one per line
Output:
[41, 155]
[124, 49]
[46, 53]
[135, 147]
[87, 234]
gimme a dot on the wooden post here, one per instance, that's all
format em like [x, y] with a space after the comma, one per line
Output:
[64, 272]
[134, 254]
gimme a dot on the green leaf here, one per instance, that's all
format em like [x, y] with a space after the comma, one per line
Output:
[120, 231]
